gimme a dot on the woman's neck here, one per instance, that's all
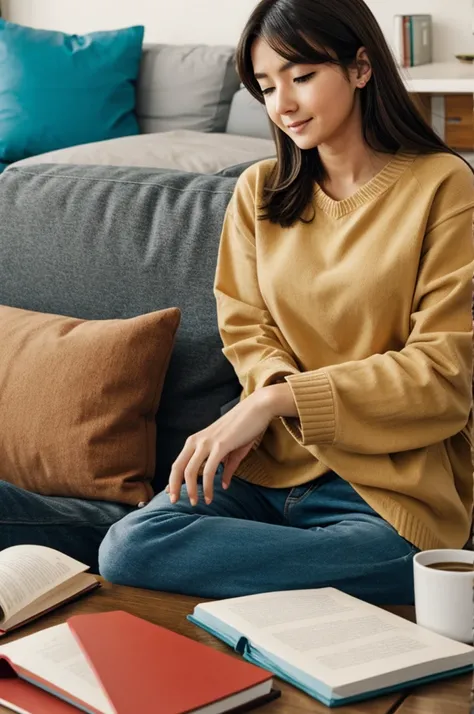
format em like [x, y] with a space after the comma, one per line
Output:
[349, 165]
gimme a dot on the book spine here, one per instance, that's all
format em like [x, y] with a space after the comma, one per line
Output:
[429, 36]
[406, 41]
[412, 42]
[425, 39]
[421, 39]
[398, 39]
[415, 41]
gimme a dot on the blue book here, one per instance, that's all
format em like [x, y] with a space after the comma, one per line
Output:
[335, 647]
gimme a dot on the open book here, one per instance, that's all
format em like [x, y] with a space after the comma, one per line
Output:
[35, 579]
[333, 646]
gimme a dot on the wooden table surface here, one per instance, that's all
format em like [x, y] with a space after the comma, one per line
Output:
[169, 610]
[449, 697]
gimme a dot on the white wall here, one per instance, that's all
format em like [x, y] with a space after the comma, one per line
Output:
[220, 21]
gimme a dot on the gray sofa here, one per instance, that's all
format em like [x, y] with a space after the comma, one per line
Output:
[114, 242]
[120, 228]
[193, 116]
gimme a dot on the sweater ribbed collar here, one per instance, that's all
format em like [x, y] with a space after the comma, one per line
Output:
[373, 188]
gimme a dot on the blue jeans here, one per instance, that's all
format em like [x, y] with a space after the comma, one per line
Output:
[72, 525]
[253, 539]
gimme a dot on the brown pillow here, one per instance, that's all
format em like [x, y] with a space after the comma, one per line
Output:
[78, 400]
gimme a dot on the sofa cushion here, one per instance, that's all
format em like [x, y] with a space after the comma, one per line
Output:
[247, 117]
[183, 150]
[115, 242]
[79, 400]
[57, 90]
[185, 87]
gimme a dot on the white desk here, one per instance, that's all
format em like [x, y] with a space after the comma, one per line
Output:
[440, 78]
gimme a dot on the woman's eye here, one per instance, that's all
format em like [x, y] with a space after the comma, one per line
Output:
[304, 78]
[298, 80]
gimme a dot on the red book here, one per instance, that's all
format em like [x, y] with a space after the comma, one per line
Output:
[116, 663]
[407, 54]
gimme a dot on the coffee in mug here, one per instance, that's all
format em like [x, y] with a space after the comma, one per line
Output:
[444, 592]
[454, 566]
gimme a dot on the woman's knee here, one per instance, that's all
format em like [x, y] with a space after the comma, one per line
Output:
[134, 551]
[120, 551]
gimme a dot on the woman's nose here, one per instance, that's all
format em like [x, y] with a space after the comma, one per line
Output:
[285, 102]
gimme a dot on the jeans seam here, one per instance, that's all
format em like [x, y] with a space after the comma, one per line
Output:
[307, 493]
[289, 501]
[292, 500]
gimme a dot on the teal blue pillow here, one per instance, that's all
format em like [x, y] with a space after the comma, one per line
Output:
[59, 90]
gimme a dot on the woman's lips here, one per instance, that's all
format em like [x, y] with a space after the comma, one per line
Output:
[297, 127]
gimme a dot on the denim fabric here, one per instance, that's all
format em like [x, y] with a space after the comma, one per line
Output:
[71, 525]
[253, 539]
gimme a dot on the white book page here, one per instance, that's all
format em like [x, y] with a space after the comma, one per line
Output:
[65, 591]
[54, 655]
[12, 707]
[29, 571]
[331, 636]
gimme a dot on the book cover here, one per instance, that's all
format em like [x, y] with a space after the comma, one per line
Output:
[421, 39]
[398, 47]
[406, 41]
[116, 663]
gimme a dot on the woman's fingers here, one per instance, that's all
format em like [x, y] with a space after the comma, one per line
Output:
[231, 437]
[191, 473]
[177, 471]
[174, 485]
[230, 464]
[209, 472]
[187, 467]
[189, 462]
[232, 461]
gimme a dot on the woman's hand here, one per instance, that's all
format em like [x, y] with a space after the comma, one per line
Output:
[227, 440]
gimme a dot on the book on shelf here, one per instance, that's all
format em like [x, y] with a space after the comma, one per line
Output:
[34, 580]
[117, 663]
[413, 43]
[335, 647]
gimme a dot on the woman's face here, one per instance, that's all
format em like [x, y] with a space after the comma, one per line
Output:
[313, 103]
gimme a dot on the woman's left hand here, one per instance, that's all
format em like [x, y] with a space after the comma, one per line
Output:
[229, 439]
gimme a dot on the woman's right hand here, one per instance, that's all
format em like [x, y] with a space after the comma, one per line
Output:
[232, 461]
[226, 441]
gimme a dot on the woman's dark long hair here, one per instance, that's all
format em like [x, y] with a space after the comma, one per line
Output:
[330, 31]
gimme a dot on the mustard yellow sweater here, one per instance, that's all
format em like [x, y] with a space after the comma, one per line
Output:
[366, 312]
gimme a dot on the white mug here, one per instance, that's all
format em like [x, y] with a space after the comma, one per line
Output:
[444, 599]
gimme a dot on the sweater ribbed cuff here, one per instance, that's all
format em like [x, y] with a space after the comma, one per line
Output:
[314, 400]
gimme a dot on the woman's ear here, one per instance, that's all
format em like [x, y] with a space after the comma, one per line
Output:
[363, 68]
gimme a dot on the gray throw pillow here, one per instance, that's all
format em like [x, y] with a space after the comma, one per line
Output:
[185, 87]
[248, 117]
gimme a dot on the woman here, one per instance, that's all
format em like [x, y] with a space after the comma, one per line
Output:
[343, 291]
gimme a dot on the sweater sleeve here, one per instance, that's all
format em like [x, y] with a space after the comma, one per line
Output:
[406, 399]
[253, 343]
